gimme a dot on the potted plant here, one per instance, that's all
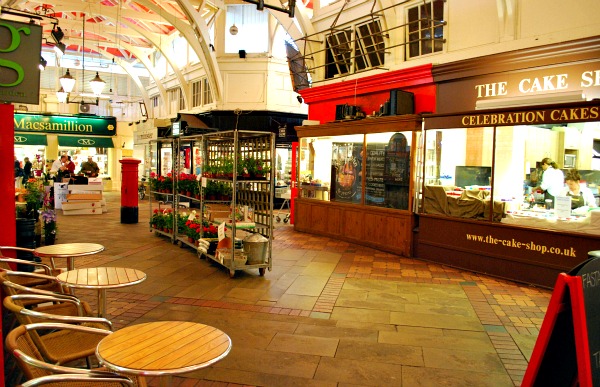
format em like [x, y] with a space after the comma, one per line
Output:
[168, 220]
[261, 170]
[246, 167]
[156, 218]
[50, 226]
[33, 197]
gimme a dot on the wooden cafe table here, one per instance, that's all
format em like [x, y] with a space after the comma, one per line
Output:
[163, 348]
[101, 279]
[67, 250]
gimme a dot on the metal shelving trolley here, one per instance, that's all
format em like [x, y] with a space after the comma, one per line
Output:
[161, 185]
[239, 162]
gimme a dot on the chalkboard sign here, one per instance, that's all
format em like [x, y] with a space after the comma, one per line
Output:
[567, 350]
[590, 281]
[374, 181]
[397, 161]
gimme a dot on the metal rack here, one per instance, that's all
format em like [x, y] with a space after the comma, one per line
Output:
[255, 193]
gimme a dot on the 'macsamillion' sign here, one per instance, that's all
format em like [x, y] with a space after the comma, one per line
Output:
[97, 126]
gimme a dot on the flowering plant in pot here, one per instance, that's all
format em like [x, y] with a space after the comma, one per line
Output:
[50, 225]
[261, 169]
[156, 221]
[167, 220]
[34, 197]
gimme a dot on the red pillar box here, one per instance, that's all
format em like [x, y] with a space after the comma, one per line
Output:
[129, 190]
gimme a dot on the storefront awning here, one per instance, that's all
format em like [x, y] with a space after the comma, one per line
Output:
[30, 139]
[85, 142]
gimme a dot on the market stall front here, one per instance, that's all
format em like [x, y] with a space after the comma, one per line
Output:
[356, 181]
[483, 206]
[501, 121]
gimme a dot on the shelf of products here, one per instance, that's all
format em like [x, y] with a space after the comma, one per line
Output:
[239, 162]
[235, 179]
[161, 190]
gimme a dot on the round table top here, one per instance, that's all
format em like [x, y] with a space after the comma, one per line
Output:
[101, 277]
[163, 348]
[66, 250]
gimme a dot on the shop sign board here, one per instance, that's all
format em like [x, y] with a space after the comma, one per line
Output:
[522, 87]
[30, 139]
[65, 124]
[19, 74]
[145, 136]
[575, 112]
[85, 142]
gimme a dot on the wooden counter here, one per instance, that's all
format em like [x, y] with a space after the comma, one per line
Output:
[380, 228]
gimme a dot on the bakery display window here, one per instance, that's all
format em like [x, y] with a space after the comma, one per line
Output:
[498, 174]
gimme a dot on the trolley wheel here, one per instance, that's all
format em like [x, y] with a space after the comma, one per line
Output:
[278, 219]
[261, 271]
[231, 273]
[286, 219]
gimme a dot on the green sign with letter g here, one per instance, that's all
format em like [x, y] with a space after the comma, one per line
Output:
[19, 74]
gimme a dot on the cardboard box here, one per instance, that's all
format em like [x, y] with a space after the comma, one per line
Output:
[81, 204]
[85, 211]
[84, 196]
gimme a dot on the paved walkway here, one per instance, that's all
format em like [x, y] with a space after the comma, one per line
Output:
[330, 313]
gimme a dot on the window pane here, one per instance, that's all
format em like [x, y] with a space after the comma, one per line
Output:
[253, 32]
[346, 171]
[458, 164]
[387, 178]
[519, 177]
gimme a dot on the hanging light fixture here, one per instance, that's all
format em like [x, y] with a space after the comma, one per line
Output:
[62, 96]
[67, 82]
[57, 34]
[97, 84]
[59, 49]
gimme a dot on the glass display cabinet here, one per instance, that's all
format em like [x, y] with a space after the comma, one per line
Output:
[356, 181]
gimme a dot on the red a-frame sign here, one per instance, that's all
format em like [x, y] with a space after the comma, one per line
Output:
[562, 355]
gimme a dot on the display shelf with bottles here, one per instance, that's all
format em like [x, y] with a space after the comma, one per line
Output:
[240, 161]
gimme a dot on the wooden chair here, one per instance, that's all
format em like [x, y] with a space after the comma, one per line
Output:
[17, 282]
[5, 265]
[37, 264]
[107, 379]
[62, 346]
[20, 344]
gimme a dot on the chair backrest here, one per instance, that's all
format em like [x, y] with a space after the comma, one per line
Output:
[19, 339]
[20, 344]
[17, 282]
[17, 262]
[30, 317]
[27, 316]
[94, 380]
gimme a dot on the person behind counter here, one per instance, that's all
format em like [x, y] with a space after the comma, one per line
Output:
[580, 196]
[70, 166]
[90, 168]
[57, 165]
[553, 179]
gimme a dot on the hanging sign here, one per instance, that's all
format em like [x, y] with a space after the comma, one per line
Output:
[19, 72]
[65, 124]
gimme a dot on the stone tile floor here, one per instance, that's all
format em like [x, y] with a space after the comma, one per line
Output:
[329, 313]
